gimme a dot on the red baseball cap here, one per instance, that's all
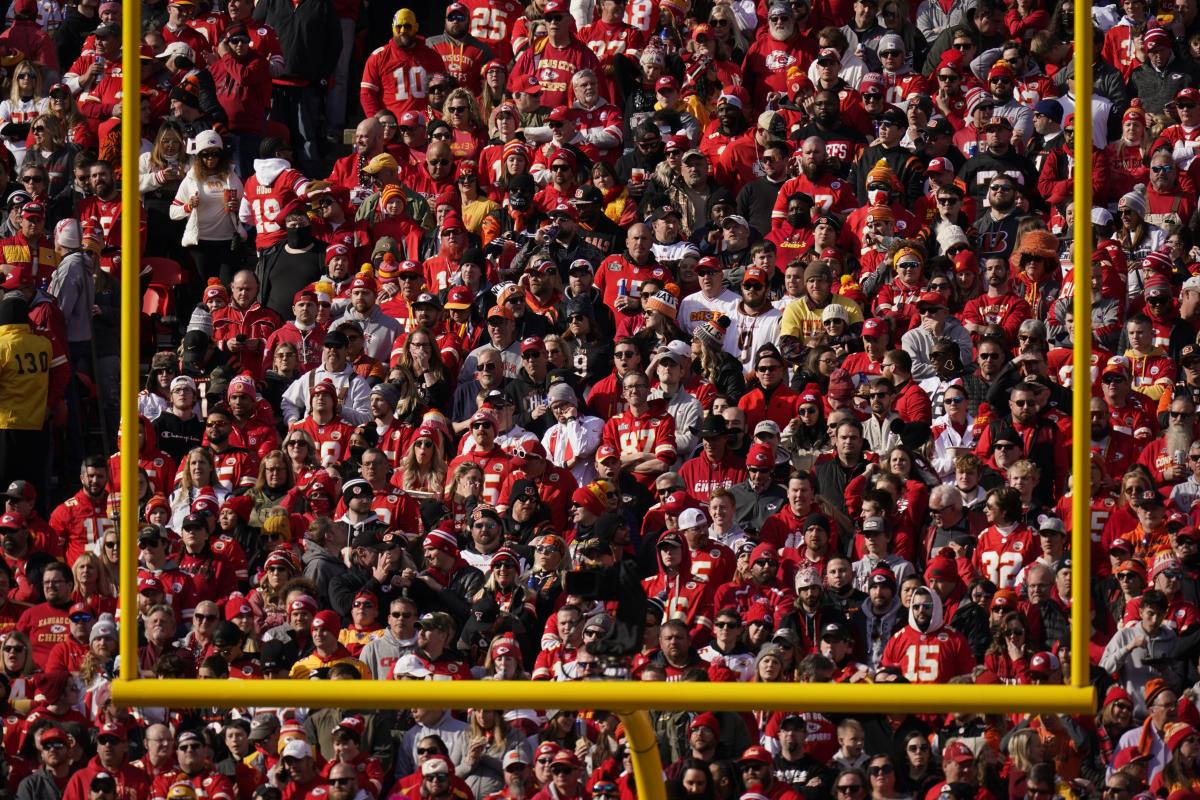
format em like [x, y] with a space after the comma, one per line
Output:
[873, 327]
[958, 752]
[761, 456]
[757, 754]
[755, 275]
[605, 452]
[12, 521]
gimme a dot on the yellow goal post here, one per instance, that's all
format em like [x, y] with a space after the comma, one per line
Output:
[630, 699]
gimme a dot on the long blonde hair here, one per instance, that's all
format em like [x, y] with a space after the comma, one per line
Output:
[104, 585]
[410, 471]
[185, 482]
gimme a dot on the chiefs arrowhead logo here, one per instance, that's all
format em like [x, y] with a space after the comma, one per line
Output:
[57, 629]
[1018, 546]
[780, 59]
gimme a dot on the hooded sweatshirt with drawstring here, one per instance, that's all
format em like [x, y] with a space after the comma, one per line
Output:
[933, 655]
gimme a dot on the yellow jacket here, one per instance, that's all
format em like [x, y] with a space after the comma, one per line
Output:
[24, 378]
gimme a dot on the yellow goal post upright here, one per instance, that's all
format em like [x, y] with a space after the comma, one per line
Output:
[631, 699]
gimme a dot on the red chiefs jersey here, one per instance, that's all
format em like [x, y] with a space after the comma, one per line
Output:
[1135, 418]
[642, 14]
[1121, 48]
[1001, 557]
[495, 464]
[211, 578]
[1007, 310]
[651, 432]
[828, 192]
[189, 36]
[492, 21]
[333, 439]
[263, 205]
[236, 468]
[713, 142]
[604, 119]
[177, 586]
[45, 626]
[255, 436]
[616, 275]
[394, 508]
[555, 487]
[106, 214]
[861, 367]
[207, 783]
[901, 87]
[81, 522]
[744, 595]
[160, 469]
[929, 657]
[712, 563]
[609, 40]
[684, 597]
[702, 476]
[395, 78]
[554, 66]
[1117, 453]
[550, 663]
[1061, 361]
[766, 65]
[370, 772]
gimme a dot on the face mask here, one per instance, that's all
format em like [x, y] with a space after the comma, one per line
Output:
[299, 238]
[519, 200]
[356, 453]
[877, 197]
[797, 219]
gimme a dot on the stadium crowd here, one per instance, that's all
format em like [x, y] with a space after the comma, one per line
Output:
[764, 307]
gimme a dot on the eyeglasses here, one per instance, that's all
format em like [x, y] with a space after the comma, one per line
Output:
[359, 603]
[918, 748]
[637, 386]
[1002, 188]
[953, 401]
[115, 545]
[727, 624]
[428, 751]
[239, 40]
[625, 354]
[848, 788]
[14, 648]
[187, 748]
[1160, 168]
[560, 770]
[882, 769]
[479, 426]
[32, 179]
[341, 781]
[438, 162]
[297, 443]
[438, 776]
[768, 368]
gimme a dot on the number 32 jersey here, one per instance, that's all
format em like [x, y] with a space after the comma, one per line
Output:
[1000, 558]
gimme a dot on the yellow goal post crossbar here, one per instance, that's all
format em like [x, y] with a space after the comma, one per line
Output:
[630, 698]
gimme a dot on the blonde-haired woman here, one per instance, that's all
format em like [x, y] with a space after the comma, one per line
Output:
[467, 128]
[199, 473]
[92, 585]
[488, 739]
[422, 468]
[26, 100]
[160, 172]
[16, 665]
